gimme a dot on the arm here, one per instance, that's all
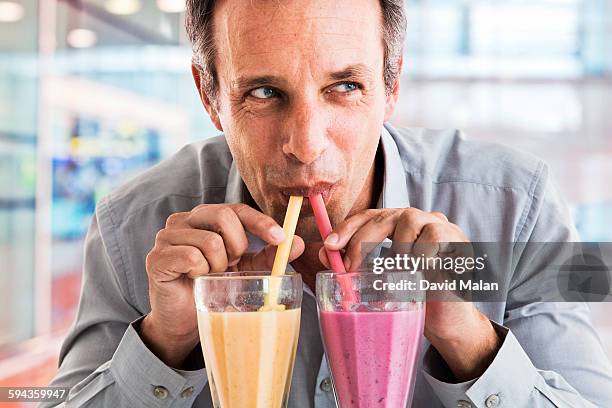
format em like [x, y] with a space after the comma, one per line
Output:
[550, 355]
[103, 359]
[563, 368]
[112, 357]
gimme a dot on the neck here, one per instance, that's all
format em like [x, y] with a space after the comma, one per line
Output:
[308, 264]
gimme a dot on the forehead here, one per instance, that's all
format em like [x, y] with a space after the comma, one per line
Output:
[267, 35]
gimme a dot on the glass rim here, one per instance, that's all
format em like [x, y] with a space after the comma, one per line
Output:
[330, 273]
[246, 275]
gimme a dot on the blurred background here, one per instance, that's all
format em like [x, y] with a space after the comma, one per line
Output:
[94, 91]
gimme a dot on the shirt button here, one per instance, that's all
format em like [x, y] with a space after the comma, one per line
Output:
[160, 392]
[326, 385]
[492, 401]
[187, 392]
[464, 404]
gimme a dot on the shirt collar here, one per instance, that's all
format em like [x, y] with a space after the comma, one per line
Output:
[235, 187]
[395, 190]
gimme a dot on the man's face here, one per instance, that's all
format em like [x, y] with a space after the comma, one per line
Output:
[301, 98]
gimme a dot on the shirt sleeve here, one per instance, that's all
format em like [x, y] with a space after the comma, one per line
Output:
[551, 356]
[103, 360]
[510, 381]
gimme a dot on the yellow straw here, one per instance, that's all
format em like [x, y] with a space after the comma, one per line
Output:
[282, 252]
[281, 259]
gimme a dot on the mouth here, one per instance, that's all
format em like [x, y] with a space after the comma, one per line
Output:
[326, 190]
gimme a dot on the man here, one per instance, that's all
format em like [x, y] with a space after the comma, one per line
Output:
[301, 90]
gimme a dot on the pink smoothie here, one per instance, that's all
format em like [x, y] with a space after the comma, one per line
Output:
[372, 355]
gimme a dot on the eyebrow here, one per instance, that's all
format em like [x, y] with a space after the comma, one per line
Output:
[348, 72]
[254, 82]
[352, 71]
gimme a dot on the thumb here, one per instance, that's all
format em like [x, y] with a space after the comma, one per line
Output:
[323, 257]
[264, 259]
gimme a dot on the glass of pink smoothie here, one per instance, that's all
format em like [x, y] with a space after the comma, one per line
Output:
[372, 344]
[248, 339]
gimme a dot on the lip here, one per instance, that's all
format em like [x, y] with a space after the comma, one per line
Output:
[326, 190]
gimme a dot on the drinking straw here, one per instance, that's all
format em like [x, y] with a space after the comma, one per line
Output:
[281, 259]
[335, 259]
[325, 228]
[282, 252]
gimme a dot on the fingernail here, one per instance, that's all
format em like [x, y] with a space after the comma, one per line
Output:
[234, 262]
[332, 239]
[278, 234]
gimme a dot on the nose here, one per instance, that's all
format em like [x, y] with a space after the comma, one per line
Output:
[306, 135]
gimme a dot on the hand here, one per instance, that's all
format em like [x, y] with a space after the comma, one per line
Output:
[462, 335]
[210, 238]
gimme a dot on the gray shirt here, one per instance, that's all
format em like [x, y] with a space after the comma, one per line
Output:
[550, 355]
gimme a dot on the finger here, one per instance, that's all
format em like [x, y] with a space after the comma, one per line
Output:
[252, 220]
[440, 215]
[374, 231]
[409, 226]
[343, 232]
[375, 226]
[259, 224]
[450, 239]
[221, 219]
[435, 241]
[323, 257]
[434, 238]
[442, 239]
[210, 244]
[264, 259]
[297, 249]
[171, 262]
[177, 220]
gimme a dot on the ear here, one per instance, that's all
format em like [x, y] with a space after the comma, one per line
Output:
[210, 107]
[392, 97]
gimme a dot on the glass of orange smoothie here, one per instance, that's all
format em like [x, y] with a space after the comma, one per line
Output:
[249, 324]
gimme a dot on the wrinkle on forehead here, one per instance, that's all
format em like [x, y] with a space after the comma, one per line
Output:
[305, 23]
[270, 37]
[276, 51]
[295, 17]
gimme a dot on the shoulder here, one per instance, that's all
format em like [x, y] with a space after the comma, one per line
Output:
[492, 191]
[129, 218]
[190, 175]
[448, 157]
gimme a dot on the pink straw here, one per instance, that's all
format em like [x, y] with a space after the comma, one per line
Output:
[325, 228]
[335, 259]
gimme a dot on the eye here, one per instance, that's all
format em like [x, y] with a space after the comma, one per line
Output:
[345, 87]
[263, 93]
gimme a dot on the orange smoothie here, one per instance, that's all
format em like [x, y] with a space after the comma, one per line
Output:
[249, 356]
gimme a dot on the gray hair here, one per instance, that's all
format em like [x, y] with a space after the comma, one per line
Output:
[199, 25]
